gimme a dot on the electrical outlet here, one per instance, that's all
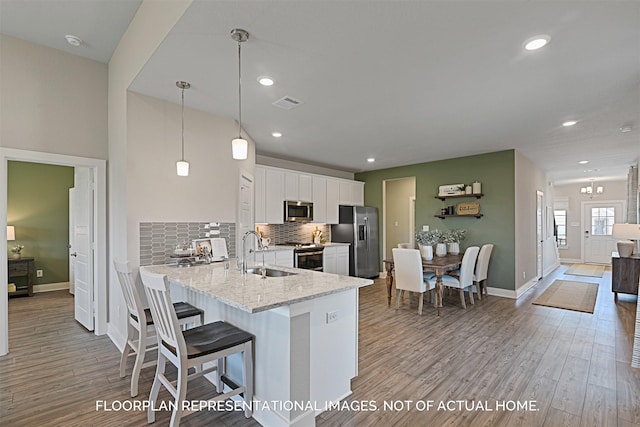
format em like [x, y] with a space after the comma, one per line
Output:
[39, 273]
[524, 276]
[332, 316]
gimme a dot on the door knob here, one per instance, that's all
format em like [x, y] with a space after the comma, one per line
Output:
[74, 254]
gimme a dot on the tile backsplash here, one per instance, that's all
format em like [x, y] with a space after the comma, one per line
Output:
[292, 232]
[158, 240]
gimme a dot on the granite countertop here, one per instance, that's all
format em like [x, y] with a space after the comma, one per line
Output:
[253, 294]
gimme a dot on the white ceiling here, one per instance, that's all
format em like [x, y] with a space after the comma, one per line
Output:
[402, 81]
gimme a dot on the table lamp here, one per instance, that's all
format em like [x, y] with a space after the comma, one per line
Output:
[11, 233]
[630, 232]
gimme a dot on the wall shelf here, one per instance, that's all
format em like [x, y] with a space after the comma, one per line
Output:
[458, 216]
[459, 196]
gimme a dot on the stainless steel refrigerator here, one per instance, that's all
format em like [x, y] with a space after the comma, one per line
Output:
[358, 225]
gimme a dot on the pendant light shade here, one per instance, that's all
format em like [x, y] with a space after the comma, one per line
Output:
[239, 145]
[182, 166]
[239, 148]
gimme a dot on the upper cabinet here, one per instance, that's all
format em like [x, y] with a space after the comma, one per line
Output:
[274, 186]
[298, 187]
[270, 192]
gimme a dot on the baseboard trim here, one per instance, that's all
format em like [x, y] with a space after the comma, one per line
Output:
[116, 337]
[49, 287]
[524, 288]
[570, 261]
[500, 292]
[551, 269]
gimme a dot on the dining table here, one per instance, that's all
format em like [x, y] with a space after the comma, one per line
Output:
[439, 265]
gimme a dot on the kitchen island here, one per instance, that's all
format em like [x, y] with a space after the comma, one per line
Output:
[306, 329]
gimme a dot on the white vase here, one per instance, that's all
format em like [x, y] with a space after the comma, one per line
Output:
[454, 248]
[441, 249]
[426, 252]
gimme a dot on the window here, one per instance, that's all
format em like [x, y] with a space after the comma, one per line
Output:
[560, 216]
[602, 220]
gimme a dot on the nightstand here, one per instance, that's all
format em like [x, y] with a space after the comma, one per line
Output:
[24, 270]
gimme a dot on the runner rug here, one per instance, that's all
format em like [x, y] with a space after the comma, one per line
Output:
[576, 296]
[586, 270]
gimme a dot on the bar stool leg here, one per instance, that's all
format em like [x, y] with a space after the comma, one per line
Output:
[247, 374]
[155, 388]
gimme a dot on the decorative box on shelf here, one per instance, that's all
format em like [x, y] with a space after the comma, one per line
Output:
[451, 190]
[468, 208]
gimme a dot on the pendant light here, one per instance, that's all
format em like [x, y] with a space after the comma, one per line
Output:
[182, 166]
[239, 145]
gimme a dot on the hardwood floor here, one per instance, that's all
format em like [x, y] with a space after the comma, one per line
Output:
[574, 367]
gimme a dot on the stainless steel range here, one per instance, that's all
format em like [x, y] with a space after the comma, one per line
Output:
[307, 256]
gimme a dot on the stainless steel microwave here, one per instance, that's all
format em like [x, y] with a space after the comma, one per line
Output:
[298, 211]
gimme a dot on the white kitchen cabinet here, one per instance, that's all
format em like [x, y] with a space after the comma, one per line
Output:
[319, 199]
[298, 187]
[274, 196]
[333, 200]
[336, 259]
[274, 185]
[342, 260]
[283, 258]
[352, 193]
[260, 194]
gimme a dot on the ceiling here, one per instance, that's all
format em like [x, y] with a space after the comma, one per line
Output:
[402, 81]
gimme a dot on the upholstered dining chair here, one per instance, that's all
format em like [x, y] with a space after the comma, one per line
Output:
[409, 275]
[482, 268]
[140, 334]
[192, 348]
[465, 280]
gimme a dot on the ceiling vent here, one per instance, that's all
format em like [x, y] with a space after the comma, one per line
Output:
[287, 103]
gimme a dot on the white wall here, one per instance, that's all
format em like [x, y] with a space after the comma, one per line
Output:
[52, 101]
[528, 180]
[148, 28]
[613, 190]
[301, 167]
[154, 191]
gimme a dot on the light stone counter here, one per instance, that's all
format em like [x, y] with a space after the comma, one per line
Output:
[305, 328]
[252, 293]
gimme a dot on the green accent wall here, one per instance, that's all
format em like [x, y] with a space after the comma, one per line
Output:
[38, 207]
[495, 171]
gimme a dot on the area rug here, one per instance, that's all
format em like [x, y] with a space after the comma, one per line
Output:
[585, 270]
[576, 296]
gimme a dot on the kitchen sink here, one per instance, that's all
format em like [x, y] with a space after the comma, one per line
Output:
[270, 272]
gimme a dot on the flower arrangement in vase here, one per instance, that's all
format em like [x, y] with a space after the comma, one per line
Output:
[426, 240]
[17, 251]
[454, 238]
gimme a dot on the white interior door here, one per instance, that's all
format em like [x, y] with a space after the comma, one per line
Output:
[599, 218]
[72, 259]
[245, 209]
[82, 248]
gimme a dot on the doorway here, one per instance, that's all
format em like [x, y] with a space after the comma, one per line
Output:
[598, 219]
[99, 227]
[398, 204]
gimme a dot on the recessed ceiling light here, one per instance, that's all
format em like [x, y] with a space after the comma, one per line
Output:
[536, 42]
[371, 160]
[73, 40]
[583, 162]
[569, 123]
[276, 134]
[265, 81]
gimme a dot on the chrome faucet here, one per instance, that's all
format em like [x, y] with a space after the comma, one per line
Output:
[244, 251]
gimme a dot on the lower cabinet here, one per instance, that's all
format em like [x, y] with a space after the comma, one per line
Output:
[336, 259]
[282, 258]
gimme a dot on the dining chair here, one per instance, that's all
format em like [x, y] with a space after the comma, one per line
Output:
[192, 348]
[465, 280]
[409, 275]
[482, 268]
[140, 336]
